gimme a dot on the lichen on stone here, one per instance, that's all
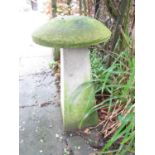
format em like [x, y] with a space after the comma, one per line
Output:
[76, 109]
[71, 32]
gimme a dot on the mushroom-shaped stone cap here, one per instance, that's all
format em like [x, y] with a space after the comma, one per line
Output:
[71, 32]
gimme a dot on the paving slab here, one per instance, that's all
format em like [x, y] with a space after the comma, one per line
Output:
[79, 146]
[34, 65]
[37, 88]
[38, 130]
[40, 120]
[41, 126]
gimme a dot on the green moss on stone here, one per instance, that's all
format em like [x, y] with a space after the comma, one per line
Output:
[71, 32]
[76, 109]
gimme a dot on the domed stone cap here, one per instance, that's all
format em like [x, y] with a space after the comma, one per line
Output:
[71, 32]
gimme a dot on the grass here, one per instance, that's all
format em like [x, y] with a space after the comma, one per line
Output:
[114, 88]
[115, 96]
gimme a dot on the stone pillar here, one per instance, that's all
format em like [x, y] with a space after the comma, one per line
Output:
[77, 93]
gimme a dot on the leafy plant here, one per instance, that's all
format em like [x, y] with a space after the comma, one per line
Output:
[114, 88]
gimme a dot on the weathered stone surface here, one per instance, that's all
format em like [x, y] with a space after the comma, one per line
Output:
[71, 32]
[79, 146]
[38, 129]
[34, 64]
[76, 101]
[37, 89]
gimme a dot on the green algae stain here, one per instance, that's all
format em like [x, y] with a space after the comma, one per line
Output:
[77, 107]
[71, 32]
